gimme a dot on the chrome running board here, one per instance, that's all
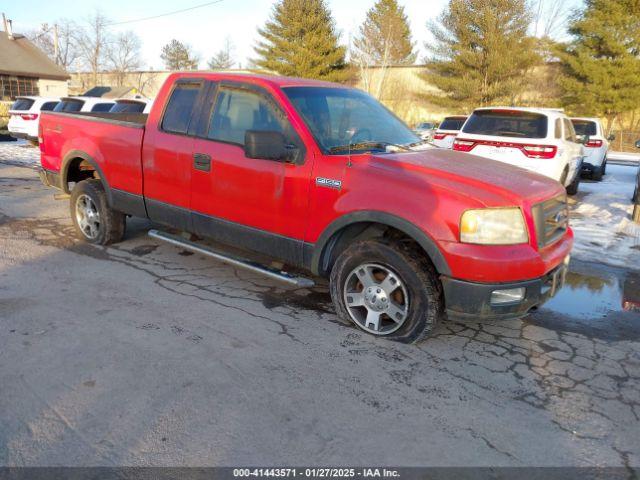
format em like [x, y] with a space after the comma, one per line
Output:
[301, 282]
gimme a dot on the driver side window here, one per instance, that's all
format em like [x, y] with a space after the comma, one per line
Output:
[236, 111]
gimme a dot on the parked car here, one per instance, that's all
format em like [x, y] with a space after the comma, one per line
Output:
[24, 116]
[596, 146]
[303, 171]
[445, 134]
[425, 130]
[537, 139]
[131, 105]
[84, 104]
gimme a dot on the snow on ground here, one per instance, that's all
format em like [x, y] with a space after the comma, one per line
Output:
[601, 219]
[623, 157]
[19, 152]
[600, 213]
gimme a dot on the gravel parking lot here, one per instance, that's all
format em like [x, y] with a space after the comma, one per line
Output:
[143, 354]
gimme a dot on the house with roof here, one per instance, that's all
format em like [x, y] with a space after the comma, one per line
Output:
[26, 70]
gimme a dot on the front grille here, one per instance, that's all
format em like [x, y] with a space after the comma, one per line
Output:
[551, 219]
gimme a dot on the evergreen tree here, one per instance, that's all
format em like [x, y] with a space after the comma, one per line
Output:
[300, 39]
[178, 56]
[602, 64]
[385, 36]
[481, 52]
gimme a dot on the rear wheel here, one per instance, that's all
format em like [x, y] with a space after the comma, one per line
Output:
[92, 217]
[597, 173]
[387, 289]
[572, 188]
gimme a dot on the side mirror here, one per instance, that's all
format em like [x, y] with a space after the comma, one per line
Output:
[267, 145]
[637, 143]
[584, 139]
[611, 137]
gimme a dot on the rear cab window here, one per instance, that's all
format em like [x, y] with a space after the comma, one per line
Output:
[179, 108]
[452, 123]
[585, 127]
[507, 123]
[22, 104]
[69, 105]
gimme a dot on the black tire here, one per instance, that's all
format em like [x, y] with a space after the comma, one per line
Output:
[597, 173]
[572, 188]
[108, 226]
[604, 167]
[423, 302]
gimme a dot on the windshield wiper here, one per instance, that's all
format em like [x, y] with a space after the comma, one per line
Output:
[368, 146]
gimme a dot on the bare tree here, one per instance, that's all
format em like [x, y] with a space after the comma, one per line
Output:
[223, 59]
[373, 66]
[550, 18]
[92, 41]
[58, 41]
[123, 54]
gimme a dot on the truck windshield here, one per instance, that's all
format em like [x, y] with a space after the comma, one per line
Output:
[339, 117]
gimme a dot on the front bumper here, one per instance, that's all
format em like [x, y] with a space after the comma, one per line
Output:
[473, 300]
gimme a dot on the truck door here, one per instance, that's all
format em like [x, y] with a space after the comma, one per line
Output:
[253, 203]
[167, 155]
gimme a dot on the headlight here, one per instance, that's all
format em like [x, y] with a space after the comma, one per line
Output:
[493, 226]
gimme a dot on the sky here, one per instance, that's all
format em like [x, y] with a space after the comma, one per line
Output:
[206, 28]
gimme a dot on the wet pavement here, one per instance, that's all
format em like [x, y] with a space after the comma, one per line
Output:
[144, 354]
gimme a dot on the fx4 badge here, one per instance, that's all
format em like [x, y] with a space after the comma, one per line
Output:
[328, 182]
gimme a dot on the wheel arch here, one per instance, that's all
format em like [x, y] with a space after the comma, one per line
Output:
[73, 160]
[364, 224]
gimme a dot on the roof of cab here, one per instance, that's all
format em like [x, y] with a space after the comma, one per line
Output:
[273, 80]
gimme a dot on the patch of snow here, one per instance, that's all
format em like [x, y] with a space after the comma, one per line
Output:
[623, 157]
[20, 153]
[601, 219]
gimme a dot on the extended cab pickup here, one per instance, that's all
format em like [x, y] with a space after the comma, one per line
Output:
[320, 177]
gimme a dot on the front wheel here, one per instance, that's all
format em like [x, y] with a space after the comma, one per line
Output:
[387, 289]
[94, 220]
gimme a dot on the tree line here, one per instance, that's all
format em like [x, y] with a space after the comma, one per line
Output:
[481, 52]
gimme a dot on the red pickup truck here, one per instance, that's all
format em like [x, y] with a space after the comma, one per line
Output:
[322, 177]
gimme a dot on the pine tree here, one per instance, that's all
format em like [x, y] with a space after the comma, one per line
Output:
[385, 36]
[300, 40]
[178, 56]
[601, 65]
[481, 53]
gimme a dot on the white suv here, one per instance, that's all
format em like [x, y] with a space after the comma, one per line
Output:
[596, 146]
[84, 104]
[447, 131]
[538, 139]
[24, 116]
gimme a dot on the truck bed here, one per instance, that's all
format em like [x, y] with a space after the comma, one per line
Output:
[110, 142]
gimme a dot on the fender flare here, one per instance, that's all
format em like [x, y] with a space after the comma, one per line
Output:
[64, 171]
[371, 216]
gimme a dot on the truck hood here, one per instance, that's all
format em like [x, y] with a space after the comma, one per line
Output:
[488, 181]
